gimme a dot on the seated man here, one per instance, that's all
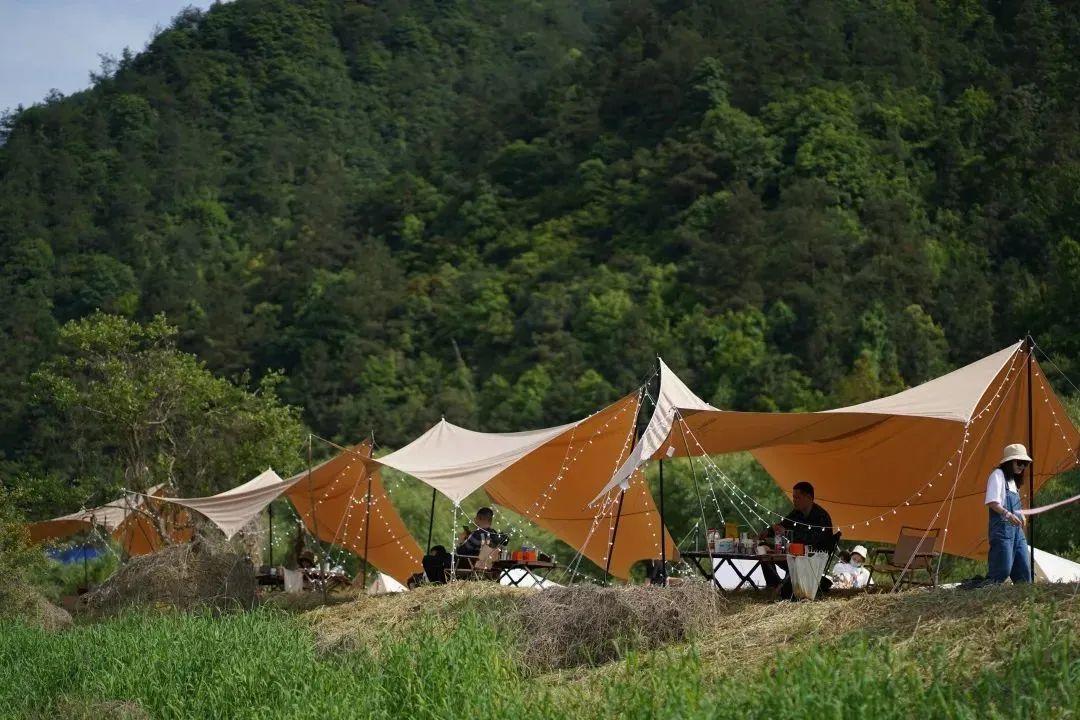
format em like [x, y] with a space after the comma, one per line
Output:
[807, 523]
[471, 542]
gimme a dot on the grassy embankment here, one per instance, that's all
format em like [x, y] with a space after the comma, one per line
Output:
[484, 652]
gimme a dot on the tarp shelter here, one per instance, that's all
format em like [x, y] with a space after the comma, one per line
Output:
[548, 476]
[919, 458]
[332, 502]
[232, 509]
[1051, 568]
[126, 518]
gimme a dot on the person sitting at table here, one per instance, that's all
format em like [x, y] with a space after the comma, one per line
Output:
[471, 542]
[807, 523]
[849, 572]
[436, 565]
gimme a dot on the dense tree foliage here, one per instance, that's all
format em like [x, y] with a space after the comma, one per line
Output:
[501, 212]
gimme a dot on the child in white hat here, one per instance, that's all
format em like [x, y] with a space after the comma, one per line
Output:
[852, 573]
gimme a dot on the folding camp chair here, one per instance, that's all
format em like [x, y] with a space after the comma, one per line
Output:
[479, 567]
[914, 552]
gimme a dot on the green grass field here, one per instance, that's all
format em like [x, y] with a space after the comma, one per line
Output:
[1008, 652]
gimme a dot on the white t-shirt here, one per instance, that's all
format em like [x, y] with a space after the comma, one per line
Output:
[995, 487]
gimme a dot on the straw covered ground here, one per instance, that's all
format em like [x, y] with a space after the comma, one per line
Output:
[577, 630]
[578, 653]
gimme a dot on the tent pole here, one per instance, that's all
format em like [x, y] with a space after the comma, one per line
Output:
[270, 521]
[614, 532]
[315, 520]
[367, 530]
[662, 576]
[1031, 450]
[431, 521]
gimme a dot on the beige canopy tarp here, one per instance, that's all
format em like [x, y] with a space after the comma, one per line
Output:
[902, 460]
[548, 476]
[232, 509]
[457, 461]
[126, 518]
[332, 502]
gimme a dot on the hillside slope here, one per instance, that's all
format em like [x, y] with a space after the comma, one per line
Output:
[501, 212]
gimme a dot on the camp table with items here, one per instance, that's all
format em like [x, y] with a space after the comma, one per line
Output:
[536, 568]
[729, 558]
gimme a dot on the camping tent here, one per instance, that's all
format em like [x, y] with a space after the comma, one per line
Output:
[548, 476]
[1051, 568]
[919, 458]
[385, 585]
[127, 519]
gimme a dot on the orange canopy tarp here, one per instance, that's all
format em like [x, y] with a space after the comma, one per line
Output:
[332, 501]
[919, 458]
[552, 486]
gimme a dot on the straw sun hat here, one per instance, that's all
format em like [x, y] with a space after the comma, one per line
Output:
[1016, 451]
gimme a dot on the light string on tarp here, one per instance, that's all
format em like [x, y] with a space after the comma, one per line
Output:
[989, 407]
[961, 467]
[353, 502]
[574, 566]
[604, 512]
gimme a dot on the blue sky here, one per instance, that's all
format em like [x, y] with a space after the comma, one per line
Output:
[47, 44]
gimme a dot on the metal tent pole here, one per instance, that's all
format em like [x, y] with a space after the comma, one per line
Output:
[431, 521]
[1031, 450]
[614, 532]
[270, 520]
[367, 531]
[662, 577]
[315, 520]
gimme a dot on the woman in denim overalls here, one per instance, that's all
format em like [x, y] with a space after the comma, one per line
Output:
[1009, 555]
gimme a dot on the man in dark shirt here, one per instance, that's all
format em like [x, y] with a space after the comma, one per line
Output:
[807, 523]
[471, 542]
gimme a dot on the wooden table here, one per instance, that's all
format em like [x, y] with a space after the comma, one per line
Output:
[697, 556]
[537, 568]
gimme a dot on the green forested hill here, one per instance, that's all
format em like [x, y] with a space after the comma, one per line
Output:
[502, 210]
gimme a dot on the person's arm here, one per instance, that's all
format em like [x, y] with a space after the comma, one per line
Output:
[1009, 517]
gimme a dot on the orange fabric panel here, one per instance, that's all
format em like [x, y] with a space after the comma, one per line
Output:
[553, 485]
[54, 529]
[333, 505]
[865, 467]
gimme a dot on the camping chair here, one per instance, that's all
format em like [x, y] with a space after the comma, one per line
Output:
[914, 551]
[479, 567]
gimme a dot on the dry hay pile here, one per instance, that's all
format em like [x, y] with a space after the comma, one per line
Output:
[21, 601]
[590, 625]
[186, 576]
[554, 629]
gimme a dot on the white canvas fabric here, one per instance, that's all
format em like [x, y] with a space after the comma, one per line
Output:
[952, 396]
[526, 579]
[233, 509]
[673, 395]
[384, 584]
[1051, 568]
[112, 514]
[729, 580]
[457, 461]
